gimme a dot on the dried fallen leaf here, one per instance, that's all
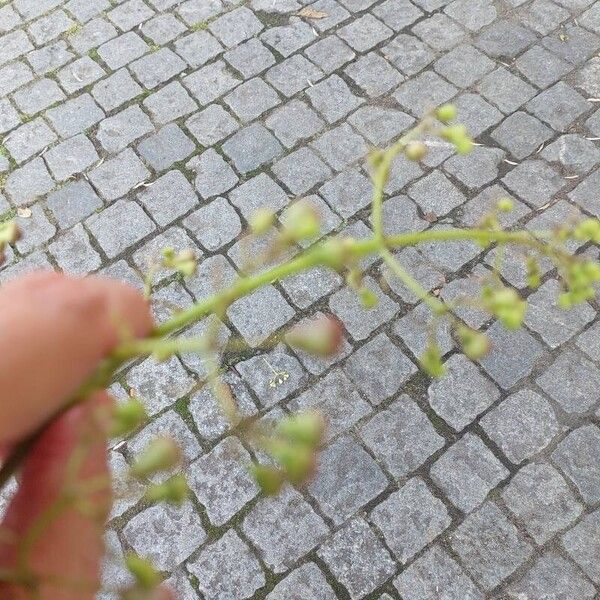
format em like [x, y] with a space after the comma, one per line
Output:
[24, 213]
[431, 217]
[311, 13]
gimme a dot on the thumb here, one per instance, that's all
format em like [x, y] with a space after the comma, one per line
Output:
[52, 535]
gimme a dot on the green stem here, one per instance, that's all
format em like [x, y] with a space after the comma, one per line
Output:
[327, 253]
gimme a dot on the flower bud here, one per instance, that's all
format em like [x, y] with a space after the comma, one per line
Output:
[143, 571]
[431, 361]
[305, 428]
[322, 336]
[9, 233]
[301, 221]
[459, 137]
[505, 205]
[175, 491]
[368, 298]
[534, 273]
[297, 460]
[127, 416]
[416, 151]
[474, 344]
[261, 221]
[160, 455]
[589, 229]
[269, 479]
[446, 113]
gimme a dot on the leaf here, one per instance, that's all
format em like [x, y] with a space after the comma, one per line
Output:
[431, 217]
[24, 213]
[311, 13]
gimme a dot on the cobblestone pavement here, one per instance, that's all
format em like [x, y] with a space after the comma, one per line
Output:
[131, 125]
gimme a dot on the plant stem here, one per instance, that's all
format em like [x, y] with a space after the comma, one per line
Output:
[326, 253]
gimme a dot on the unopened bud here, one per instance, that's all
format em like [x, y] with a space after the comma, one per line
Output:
[446, 113]
[175, 491]
[368, 298]
[160, 455]
[505, 205]
[322, 336]
[474, 344]
[143, 571]
[269, 479]
[431, 361]
[305, 428]
[261, 221]
[127, 416]
[297, 460]
[301, 221]
[416, 151]
[459, 137]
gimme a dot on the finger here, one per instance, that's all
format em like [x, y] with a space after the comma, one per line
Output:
[54, 330]
[69, 455]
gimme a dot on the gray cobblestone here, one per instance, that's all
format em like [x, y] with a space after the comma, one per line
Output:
[462, 394]
[573, 381]
[583, 544]
[118, 131]
[39, 95]
[467, 472]
[298, 529]
[542, 67]
[227, 569]
[489, 546]
[71, 157]
[559, 106]
[410, 519]
[165, 534]
[552, 575]
[435, 573]
[73, 203]
[346, 480]
[166, 147]
[158, 199]
[252, 147]
[251, 99]
[29, 139]
[119, 51]
[75, 116]
[401, 437]
[305, 582]
[539, 497]
[286, 39]
[120, 226]
[213, 175]
[357, 558]
[198, 48]
[163, 28]
[35, 229]
[329, 53]
[408, 53]
[28, 182]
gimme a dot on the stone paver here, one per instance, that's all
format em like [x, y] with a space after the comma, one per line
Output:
[127, 125]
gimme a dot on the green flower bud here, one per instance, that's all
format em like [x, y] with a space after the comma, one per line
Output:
[506, 305]
[446, 113]
[534, 273]
[321, 336]
[368, 299]
[304, 428]
[297, 460]
[301, 221]
[416, 151]
[161, 454]
[175, 491]
[143, 571]
[269, 479]
[261, 221]
[474, 344]
[459, 137]
[9, 233]
[505, 205]
[431, 361]
[168, 253]
[589, 229]
[127, 416]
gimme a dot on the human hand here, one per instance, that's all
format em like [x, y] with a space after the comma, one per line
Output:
[54, 330]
